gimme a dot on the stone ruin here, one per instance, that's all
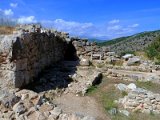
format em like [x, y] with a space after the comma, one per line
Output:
[139, 99]
[89, 50]
[31, 48]
[23, 55]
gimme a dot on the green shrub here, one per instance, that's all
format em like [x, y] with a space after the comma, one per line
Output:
[124, 93]
[153, 50]
[91, 89]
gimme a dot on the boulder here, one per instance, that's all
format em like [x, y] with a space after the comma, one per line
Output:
[132, 86]
[127, 56]
[111, 53]
[124, 112]
[84, 62]
[26, 94]
[133, 61]
[121, 87]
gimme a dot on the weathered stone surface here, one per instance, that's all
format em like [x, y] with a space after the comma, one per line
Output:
[45, 107]
[113, 111]
[121, 87]
[8, 100]
[133, 60]
[56, 112]
[124, 112]
[19, 108]
[127, 56]
[131, 86]
[84, 62]
[23, 56]
[142, 100]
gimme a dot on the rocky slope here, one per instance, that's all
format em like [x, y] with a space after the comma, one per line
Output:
[135, 42]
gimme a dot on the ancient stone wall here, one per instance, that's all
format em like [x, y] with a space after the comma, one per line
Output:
[24, 55]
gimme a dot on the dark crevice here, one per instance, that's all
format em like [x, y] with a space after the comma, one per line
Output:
[56, 75]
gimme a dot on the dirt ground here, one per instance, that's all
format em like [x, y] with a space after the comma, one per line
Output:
[81, 105]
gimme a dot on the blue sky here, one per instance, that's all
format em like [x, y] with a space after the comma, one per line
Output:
[104, 19]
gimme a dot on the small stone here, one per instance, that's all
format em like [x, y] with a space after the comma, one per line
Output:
[36, 100]
[156, 112]
[158, 98]
[24, 96]
[153, 101]
[132, 86]
[56, 112]
[41, 116]
[124, 112]
[158, 107]
[151, 96]
[84, 62]
[121, 87]
[19, 108]
[131, 96]
[140, 107]
[113, 111]
[51, 117]
[45, 107]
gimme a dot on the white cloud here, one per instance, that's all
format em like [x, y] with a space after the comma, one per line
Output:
[27, 19]
[14, 5]
[114, 27]
[115, 21]
[117, 29]
[8, 12]
[61, 24]
[134, 25]
[72, 27]
[112, 30]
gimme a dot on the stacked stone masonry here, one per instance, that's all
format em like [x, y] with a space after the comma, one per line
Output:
[142, 100]
[23, 55]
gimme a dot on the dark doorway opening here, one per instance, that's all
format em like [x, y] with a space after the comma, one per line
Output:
[70, 53]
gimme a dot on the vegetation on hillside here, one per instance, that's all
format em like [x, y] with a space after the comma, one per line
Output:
[136, 36]
[113, 41]
[153, 50]
[134, 43]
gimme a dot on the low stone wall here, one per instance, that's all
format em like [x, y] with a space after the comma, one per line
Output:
[24, 55]
[134, 75]
[142, 100]
[87, 49]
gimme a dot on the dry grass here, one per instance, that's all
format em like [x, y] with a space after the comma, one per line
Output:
[118, 63]
[154, 87]
[5, 30]
[142, 54]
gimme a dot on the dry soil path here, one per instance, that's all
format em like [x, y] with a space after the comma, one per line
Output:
[81, 105]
